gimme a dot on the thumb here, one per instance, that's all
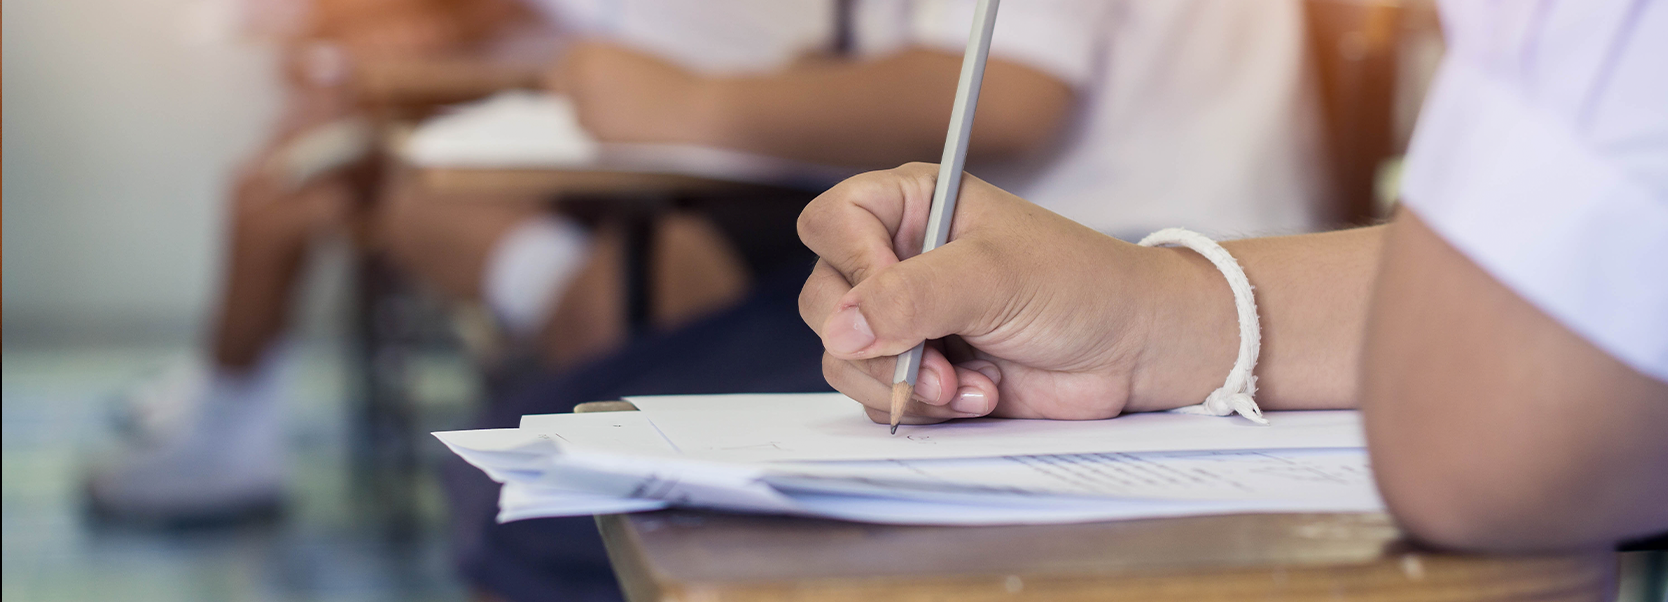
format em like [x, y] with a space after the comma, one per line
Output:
[950, 290]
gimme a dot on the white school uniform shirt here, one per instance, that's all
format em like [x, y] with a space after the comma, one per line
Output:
[1192, 113]
[1542, 155]
[1189, 113]
[707, 36]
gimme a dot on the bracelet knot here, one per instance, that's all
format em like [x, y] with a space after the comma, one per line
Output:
[1235, 396]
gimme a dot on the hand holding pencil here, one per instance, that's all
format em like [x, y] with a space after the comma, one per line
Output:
[1045, 316]
[1041, 317]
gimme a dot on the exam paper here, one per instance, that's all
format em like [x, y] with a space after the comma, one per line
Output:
[1337, 478]
[522, 501]
[1332, 475]
[519, 129]
[514, 129]
[543, 460]
[622, 432]
[904, 511]
[579, 464]
[830, 426]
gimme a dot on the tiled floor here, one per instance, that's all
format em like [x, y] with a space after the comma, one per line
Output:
[329, 546]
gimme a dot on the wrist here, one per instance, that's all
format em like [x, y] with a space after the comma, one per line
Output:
[1191, 336]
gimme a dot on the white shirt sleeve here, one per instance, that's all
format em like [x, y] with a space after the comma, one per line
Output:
[1058, 37]
[1542, 155]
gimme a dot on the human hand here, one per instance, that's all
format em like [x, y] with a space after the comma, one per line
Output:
[1038, 316]
[624, 95]
[382, 29]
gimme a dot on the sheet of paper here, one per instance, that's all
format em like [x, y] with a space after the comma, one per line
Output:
[580, 464]
[577, 481]
[521, 501]
[503, 454]
[623, 432]
[515, 129]
[830, 426]
[1337, 478]
[540, 459]
[519, 129]
[903, 511]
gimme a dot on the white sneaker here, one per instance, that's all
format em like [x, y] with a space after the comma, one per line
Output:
[219, 459]
[163, 403]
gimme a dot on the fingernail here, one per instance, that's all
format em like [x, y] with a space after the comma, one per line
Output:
[848, 332]
[928, 387]
[970, 400]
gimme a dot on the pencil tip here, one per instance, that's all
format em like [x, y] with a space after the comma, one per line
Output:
[900, 398]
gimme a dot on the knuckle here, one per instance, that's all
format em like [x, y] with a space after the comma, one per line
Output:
[867, 185]
[858, 269]
[805, 305]
[808, 304]
[917, 177]
[830, 366]
[838, 372]
[812, 221]
[822, 214]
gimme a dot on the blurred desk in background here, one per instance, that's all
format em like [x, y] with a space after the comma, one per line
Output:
[753, 200]
[629, 190]
[560, 183]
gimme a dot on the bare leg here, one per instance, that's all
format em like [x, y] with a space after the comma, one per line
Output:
[447, 241]
[270, 231]
[694, 272]
[269, 228]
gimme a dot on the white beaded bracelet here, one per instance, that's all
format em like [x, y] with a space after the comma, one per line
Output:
[1235, 396]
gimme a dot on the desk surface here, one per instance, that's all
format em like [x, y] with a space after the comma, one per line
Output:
[677, 555]
[557, 182]
[689, 555]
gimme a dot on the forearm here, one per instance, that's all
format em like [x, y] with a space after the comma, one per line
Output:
[879, 113]
[1312, 295]
[1494, 426]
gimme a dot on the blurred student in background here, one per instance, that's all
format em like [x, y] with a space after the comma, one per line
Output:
[207, 445]
[1124, 116]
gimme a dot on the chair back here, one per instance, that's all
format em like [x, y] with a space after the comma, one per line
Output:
[1355, 47]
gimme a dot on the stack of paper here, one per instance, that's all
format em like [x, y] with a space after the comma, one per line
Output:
[519, 129]
[817, 454]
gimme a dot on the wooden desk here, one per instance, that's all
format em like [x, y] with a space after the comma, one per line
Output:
[684, 555]
[556, 183]
[706, 556]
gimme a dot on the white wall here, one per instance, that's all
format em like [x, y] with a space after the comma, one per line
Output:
[121, 119]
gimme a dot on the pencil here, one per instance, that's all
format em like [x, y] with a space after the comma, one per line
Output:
[949, 180]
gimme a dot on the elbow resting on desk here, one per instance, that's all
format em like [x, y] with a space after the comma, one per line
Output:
[1491, 425]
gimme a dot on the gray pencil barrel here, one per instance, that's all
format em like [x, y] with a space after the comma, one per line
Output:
[948, 188]
[950, 167]
[954, 159]
[909, 365]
